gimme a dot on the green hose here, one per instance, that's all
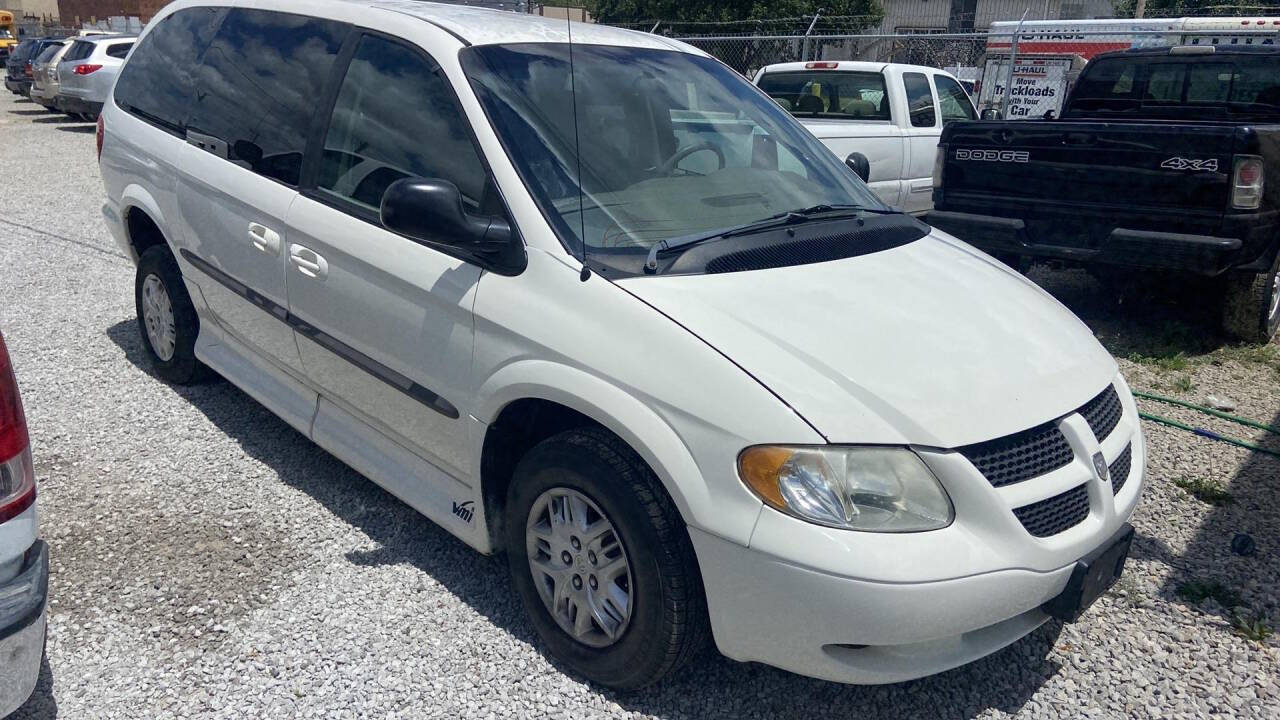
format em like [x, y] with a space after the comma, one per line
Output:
[1210, 411]
[1207, 433]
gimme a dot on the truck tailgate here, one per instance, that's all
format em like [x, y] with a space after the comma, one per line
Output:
[1129, 165]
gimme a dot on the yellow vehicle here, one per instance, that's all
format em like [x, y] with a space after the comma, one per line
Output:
[8, 33]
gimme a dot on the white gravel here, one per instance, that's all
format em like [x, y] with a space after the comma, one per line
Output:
[208, 561]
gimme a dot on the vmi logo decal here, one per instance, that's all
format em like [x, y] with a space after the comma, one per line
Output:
[1017, 156]
[1180, 163]
[465, 511]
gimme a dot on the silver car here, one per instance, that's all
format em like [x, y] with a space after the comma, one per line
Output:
[88, 71]
[44, 68]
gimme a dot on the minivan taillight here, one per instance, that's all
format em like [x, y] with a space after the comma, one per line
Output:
[102, 133]
[26, 69]
[1246, 182]
[17, 475]
[86, 69]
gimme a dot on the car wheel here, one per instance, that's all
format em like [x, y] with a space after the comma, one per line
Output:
[1251, 306]
[167, 320]
[602, 560]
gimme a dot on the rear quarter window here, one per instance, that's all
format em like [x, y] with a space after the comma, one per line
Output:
[119, 50]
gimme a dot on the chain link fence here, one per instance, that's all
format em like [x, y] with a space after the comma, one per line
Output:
[1009, 72]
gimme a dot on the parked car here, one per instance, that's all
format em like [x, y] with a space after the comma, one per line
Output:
[88, 71]
[1158, 162]
[18, 67]
[715, 384]
[889, 115]
[44, 71]
[24, 558]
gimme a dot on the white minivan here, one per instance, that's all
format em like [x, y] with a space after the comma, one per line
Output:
[587, 297]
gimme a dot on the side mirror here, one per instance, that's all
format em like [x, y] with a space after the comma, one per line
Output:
[859, 164]
[431, 210]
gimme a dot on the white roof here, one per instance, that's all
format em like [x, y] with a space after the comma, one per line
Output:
[481, 26]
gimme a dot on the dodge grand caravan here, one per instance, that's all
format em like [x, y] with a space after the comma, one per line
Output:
[589, 298]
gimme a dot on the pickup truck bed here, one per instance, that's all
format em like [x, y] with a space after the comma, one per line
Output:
[1142, 194]
[1160, 162]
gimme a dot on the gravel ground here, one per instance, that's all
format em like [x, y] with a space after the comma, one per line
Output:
[209, 561]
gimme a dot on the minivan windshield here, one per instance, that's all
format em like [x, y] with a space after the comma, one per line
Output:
[668, 145]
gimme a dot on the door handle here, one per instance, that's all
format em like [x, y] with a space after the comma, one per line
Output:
[265, 239]
[308, 262]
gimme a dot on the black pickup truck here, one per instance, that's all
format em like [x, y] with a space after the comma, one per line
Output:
[1159, 161]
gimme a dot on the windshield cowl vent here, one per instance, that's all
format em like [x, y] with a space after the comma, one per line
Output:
[821, 248]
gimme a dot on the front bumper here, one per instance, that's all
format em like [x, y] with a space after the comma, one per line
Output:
[22, 628]
[765, 609]
[1206, 254]
[869, 608]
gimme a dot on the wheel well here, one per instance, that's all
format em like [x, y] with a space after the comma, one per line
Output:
[143, 231]
[521, 425]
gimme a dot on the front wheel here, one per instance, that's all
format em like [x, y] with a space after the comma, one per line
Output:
[602, 560]
[167, 320]
[1251, 306]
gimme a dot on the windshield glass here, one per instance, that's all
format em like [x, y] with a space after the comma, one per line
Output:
[667, 144]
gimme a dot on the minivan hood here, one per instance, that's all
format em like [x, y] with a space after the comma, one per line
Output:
[931, 343]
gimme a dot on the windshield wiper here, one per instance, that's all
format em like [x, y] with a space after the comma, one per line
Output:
[782, 219]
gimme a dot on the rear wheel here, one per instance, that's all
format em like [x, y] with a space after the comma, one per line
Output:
[602, 560]
[167, 320]
[1251, 306]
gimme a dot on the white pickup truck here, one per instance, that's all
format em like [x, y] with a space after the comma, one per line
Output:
[891, 114]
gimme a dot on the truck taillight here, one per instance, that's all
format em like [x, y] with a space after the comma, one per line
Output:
[101, 134]
[821, 66]
[86, 69]
[939, 161]
[1246, 183]
[17, 475]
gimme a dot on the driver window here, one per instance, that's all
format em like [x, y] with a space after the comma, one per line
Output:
[396, 117]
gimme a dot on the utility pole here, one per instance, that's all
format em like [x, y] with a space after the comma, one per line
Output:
[1141, 9]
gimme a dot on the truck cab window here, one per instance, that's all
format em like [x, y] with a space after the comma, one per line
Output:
[953, 100]
[920, 102]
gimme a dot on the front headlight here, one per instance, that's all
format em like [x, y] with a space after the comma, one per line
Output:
[878, 489]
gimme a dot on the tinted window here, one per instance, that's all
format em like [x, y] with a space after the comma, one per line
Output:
[1240, 83]
[396, 117]
[47, 54]
[119, 50]
[853, 95]
[257, 87]
[79, 51]
[156, 82]
[919, 100]
[953, 100]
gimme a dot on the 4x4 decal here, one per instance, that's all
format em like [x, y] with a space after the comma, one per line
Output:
[1181, 163]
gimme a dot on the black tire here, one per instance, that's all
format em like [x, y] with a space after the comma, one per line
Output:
[1249, 308]
[668, 623]
[182, 368]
